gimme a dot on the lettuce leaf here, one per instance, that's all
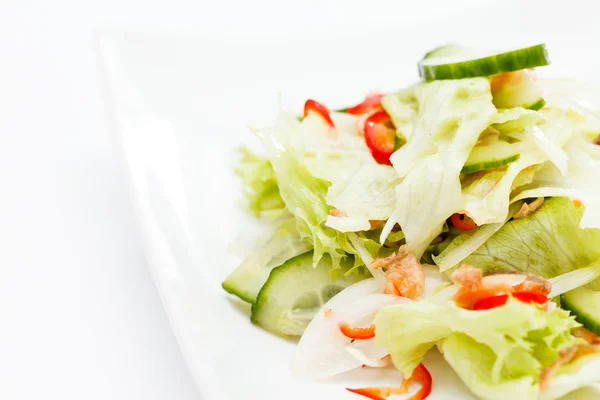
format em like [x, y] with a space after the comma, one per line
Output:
[280, 244]
[516, 119]
[488, 197]
[369, 194]
[580, 373]
[403, 108]
[580, 182]
[498, 353]
[259, 184]
[304, 193]
[329, 154]
[547, 243]
[452, 115]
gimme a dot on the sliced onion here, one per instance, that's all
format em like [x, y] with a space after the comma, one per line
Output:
[509, 279]
[323, 351]
[445, 294]
[433, 279]
[368, 353]
[574, 279]
[378, 274]
[389, 225]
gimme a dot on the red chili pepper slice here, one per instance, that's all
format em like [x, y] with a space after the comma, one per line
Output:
[373, 393]
[380, 136]
[358, 333]
[500, 300]
[318, 108]
[463, 222]
[420, 375]
[371, 103]
[530, 297]
[491, 302]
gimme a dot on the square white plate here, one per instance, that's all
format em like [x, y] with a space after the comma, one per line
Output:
[183, 103]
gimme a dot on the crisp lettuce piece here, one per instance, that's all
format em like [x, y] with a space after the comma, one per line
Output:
[452, 115]
[516, 119]
[403, 108]
[369, 194]
[487, 198]
[360, 189]
[329, 154]
[548, 243]
[469, 242]
[582, 97]
[473, 362]
[259, 184]
[580, 182]
[280, 244]
[304, 194]
[498, 353]
[580, 373]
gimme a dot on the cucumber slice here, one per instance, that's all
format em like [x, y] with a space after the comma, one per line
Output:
[296, 291]
[495, 155]
[470, 65]
[585, 305]
[516, 89]
[272, 250]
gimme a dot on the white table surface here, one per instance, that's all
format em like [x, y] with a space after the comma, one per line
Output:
[79, 314]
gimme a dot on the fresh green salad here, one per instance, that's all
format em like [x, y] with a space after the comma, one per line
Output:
[461, 212]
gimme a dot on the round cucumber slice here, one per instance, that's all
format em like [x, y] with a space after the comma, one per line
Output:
[296, 291]
[491, 156]
[469, 65]
[585, 305]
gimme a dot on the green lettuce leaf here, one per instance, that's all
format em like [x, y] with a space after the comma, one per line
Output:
[579, 183]
[487, 198]
[516, 119]
[452, 115]
[369, 194]
[280, 244]
[329, 154]
[578, 374]
[547, 243]
[259, 184]
[403, 108]
[304, 193]
[498, 353]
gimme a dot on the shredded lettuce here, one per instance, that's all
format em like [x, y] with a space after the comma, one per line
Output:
[275, 247]
[452, 114]
[498, 353]
[369, 194]
[578, 374]
[469, 242]
[580, 183]
[547, 243]
[403, 108]
[488, 197]
[259, 184]
[516, 119]
[329, 154]
[305, 194]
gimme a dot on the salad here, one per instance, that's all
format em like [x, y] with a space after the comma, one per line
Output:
[461, 212]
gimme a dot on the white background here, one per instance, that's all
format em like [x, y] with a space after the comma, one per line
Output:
[79, 315]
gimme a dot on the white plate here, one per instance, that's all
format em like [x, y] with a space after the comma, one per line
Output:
[182, 104]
